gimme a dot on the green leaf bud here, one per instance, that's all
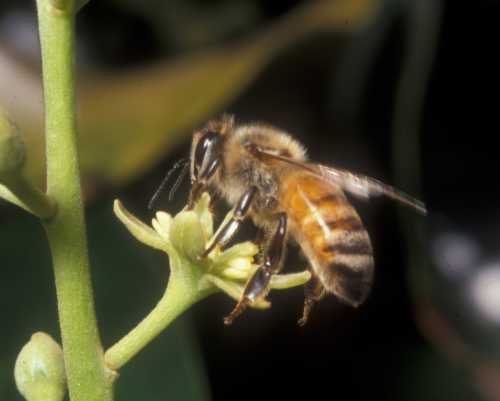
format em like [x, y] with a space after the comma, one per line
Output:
[39, 369]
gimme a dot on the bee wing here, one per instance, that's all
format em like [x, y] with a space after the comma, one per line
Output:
[361, 186]
[365, 187]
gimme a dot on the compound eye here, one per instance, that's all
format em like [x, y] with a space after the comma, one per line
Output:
[206, 152]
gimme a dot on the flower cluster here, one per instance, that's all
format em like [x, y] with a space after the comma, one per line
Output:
[186, 236]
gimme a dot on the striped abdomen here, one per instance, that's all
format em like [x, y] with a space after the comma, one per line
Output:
[331, 235]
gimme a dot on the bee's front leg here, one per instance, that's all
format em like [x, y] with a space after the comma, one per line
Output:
[258, 285]
[229, 229]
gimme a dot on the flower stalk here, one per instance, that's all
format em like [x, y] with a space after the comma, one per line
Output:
[180, 294]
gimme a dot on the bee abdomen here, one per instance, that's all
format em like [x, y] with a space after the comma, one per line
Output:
[343, 251]
[331, 235]
[348, 264]
[351, 285]
[359, 247]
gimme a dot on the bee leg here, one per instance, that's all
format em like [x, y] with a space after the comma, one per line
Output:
[258, 285]
[214, 197]
[231, 227]
[313, 291]
[197, 189]
[260, 239]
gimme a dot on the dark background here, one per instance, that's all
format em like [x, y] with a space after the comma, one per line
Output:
[422, 334]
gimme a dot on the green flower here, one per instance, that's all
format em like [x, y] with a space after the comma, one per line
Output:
[193, 277]
[186, 236]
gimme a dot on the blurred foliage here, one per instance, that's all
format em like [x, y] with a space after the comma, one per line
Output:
[129, 120]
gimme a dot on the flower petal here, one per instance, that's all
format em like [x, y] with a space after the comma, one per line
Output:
[162, 224]
[243, 264]
[284, 281]
[137, 228]
[232, 273]
[242, 250]
[202, 209]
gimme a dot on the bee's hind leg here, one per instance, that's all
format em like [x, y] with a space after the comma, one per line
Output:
[258, 285]
[313, 291]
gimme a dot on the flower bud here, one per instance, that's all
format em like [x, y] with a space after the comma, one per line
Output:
[12, 152]
[39, 370]
[187, 236]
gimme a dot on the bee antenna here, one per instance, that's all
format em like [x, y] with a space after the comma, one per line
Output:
[180, 163]
[178, 181]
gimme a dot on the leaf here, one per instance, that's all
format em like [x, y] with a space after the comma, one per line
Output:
[129, 120]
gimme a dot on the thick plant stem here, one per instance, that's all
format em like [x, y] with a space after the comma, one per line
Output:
[87, 376]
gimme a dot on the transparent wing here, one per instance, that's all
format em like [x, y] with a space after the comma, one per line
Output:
[358, 185]
[365, 187]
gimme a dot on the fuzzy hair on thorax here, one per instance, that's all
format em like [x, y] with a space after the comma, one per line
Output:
[240, 169]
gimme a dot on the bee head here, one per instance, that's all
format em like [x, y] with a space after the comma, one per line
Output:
[206, 155]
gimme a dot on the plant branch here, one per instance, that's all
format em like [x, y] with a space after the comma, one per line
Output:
[87, 377]
[182, 292]
[19, 191]
[13, 186]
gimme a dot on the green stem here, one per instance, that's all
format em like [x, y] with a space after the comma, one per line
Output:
[182, 292]
[88, 379]
[20, 192]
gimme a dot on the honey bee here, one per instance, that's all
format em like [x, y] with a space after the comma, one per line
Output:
[265, 175]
